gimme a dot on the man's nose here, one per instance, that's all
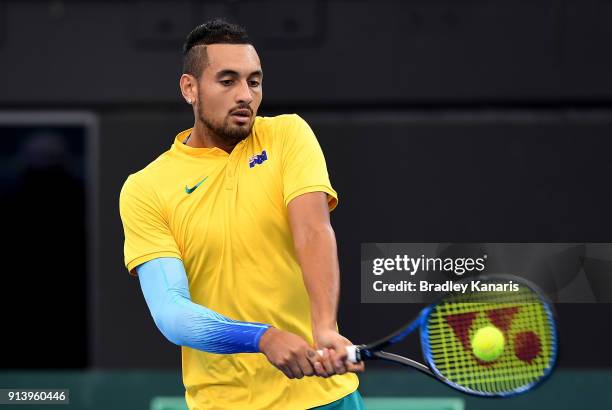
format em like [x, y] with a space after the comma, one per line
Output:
[243, 93]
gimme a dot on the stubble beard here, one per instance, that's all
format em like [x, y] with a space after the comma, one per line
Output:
[225, 132]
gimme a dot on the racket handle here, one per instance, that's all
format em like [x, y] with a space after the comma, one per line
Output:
[351, 351]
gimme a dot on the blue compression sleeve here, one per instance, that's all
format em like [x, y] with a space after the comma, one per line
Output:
[164, 284]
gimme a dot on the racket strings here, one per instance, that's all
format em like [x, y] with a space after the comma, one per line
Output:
[528, 331]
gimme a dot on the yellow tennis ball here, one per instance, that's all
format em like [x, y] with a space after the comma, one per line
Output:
[488, 343]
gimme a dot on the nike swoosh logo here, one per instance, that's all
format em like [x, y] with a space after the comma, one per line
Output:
[190, 190]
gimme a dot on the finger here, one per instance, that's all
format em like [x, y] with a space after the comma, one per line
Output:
[305, 365]
[355, 367]
[320, 370]
[295, 369]
[338, 363]
[312, 358]
[286, 371]
[326, 362]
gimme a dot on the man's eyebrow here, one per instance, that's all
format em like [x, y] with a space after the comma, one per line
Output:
[233, 73]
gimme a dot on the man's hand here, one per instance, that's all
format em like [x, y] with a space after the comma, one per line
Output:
[334, 358]
[289, 353]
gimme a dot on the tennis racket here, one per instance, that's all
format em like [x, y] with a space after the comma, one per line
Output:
[447, 329]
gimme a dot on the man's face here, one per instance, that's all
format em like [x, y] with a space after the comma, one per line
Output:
[230, 91]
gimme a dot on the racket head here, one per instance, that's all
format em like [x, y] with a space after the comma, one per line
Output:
[526, 320]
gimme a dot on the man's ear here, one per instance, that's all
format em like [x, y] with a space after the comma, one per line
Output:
[189, 88]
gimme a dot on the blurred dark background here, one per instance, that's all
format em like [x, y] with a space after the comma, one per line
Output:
[441, 120]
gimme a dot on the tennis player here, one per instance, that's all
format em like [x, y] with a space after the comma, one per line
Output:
[229, 234]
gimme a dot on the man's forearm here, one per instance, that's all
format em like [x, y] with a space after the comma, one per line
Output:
[315, 244]
[318, 258]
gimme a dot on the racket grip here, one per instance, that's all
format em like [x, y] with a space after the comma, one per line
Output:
[351, 351]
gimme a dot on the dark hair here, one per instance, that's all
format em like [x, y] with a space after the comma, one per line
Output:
[216, 31]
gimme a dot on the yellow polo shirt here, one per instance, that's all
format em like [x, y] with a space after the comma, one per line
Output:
[225, 216]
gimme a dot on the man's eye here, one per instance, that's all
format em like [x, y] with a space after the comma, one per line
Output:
[254, 83]
[226, 82]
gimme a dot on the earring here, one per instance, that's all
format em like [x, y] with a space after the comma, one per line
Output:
[189, 101]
